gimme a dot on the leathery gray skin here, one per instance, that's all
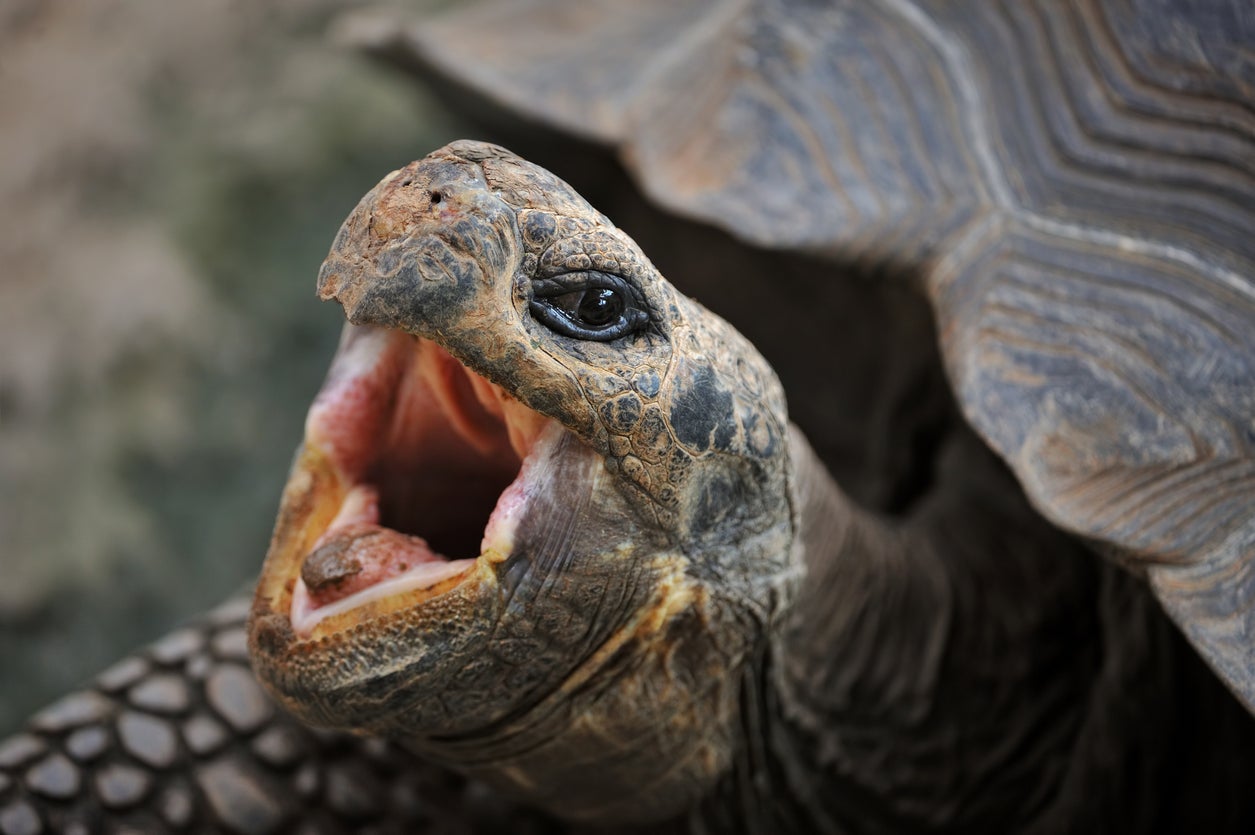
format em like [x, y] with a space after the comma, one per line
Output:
[604, 653]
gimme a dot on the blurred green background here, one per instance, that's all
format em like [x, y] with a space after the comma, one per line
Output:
[171, 175]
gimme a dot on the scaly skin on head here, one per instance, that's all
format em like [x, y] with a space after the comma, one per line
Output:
[590, 659]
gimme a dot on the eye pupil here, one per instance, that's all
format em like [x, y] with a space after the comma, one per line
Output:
[599, 306]
[596, 306]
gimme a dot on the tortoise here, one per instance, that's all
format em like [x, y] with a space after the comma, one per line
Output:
[667, 613]
[1067, 184]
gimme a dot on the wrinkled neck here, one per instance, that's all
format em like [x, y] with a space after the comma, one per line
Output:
[871, 622]
[856, 658]
[931, 670]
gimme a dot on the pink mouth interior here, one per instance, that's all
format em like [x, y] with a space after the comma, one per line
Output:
[430, 451]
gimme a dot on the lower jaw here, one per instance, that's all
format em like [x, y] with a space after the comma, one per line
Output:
[429, 580]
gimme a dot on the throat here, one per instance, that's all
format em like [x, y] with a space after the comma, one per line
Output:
[444, 453]
[444, 495]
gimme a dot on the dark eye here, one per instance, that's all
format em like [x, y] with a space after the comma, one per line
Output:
[596, 307]
[588, 305]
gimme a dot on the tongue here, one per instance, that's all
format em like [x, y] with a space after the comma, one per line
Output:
[357, 553]
[359, 556]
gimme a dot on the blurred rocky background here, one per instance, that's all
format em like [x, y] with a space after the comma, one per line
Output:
[171, 175]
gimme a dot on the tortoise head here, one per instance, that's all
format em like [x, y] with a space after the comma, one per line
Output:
[541, 517]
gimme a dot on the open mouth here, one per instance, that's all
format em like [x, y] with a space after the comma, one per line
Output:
[434, 466]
